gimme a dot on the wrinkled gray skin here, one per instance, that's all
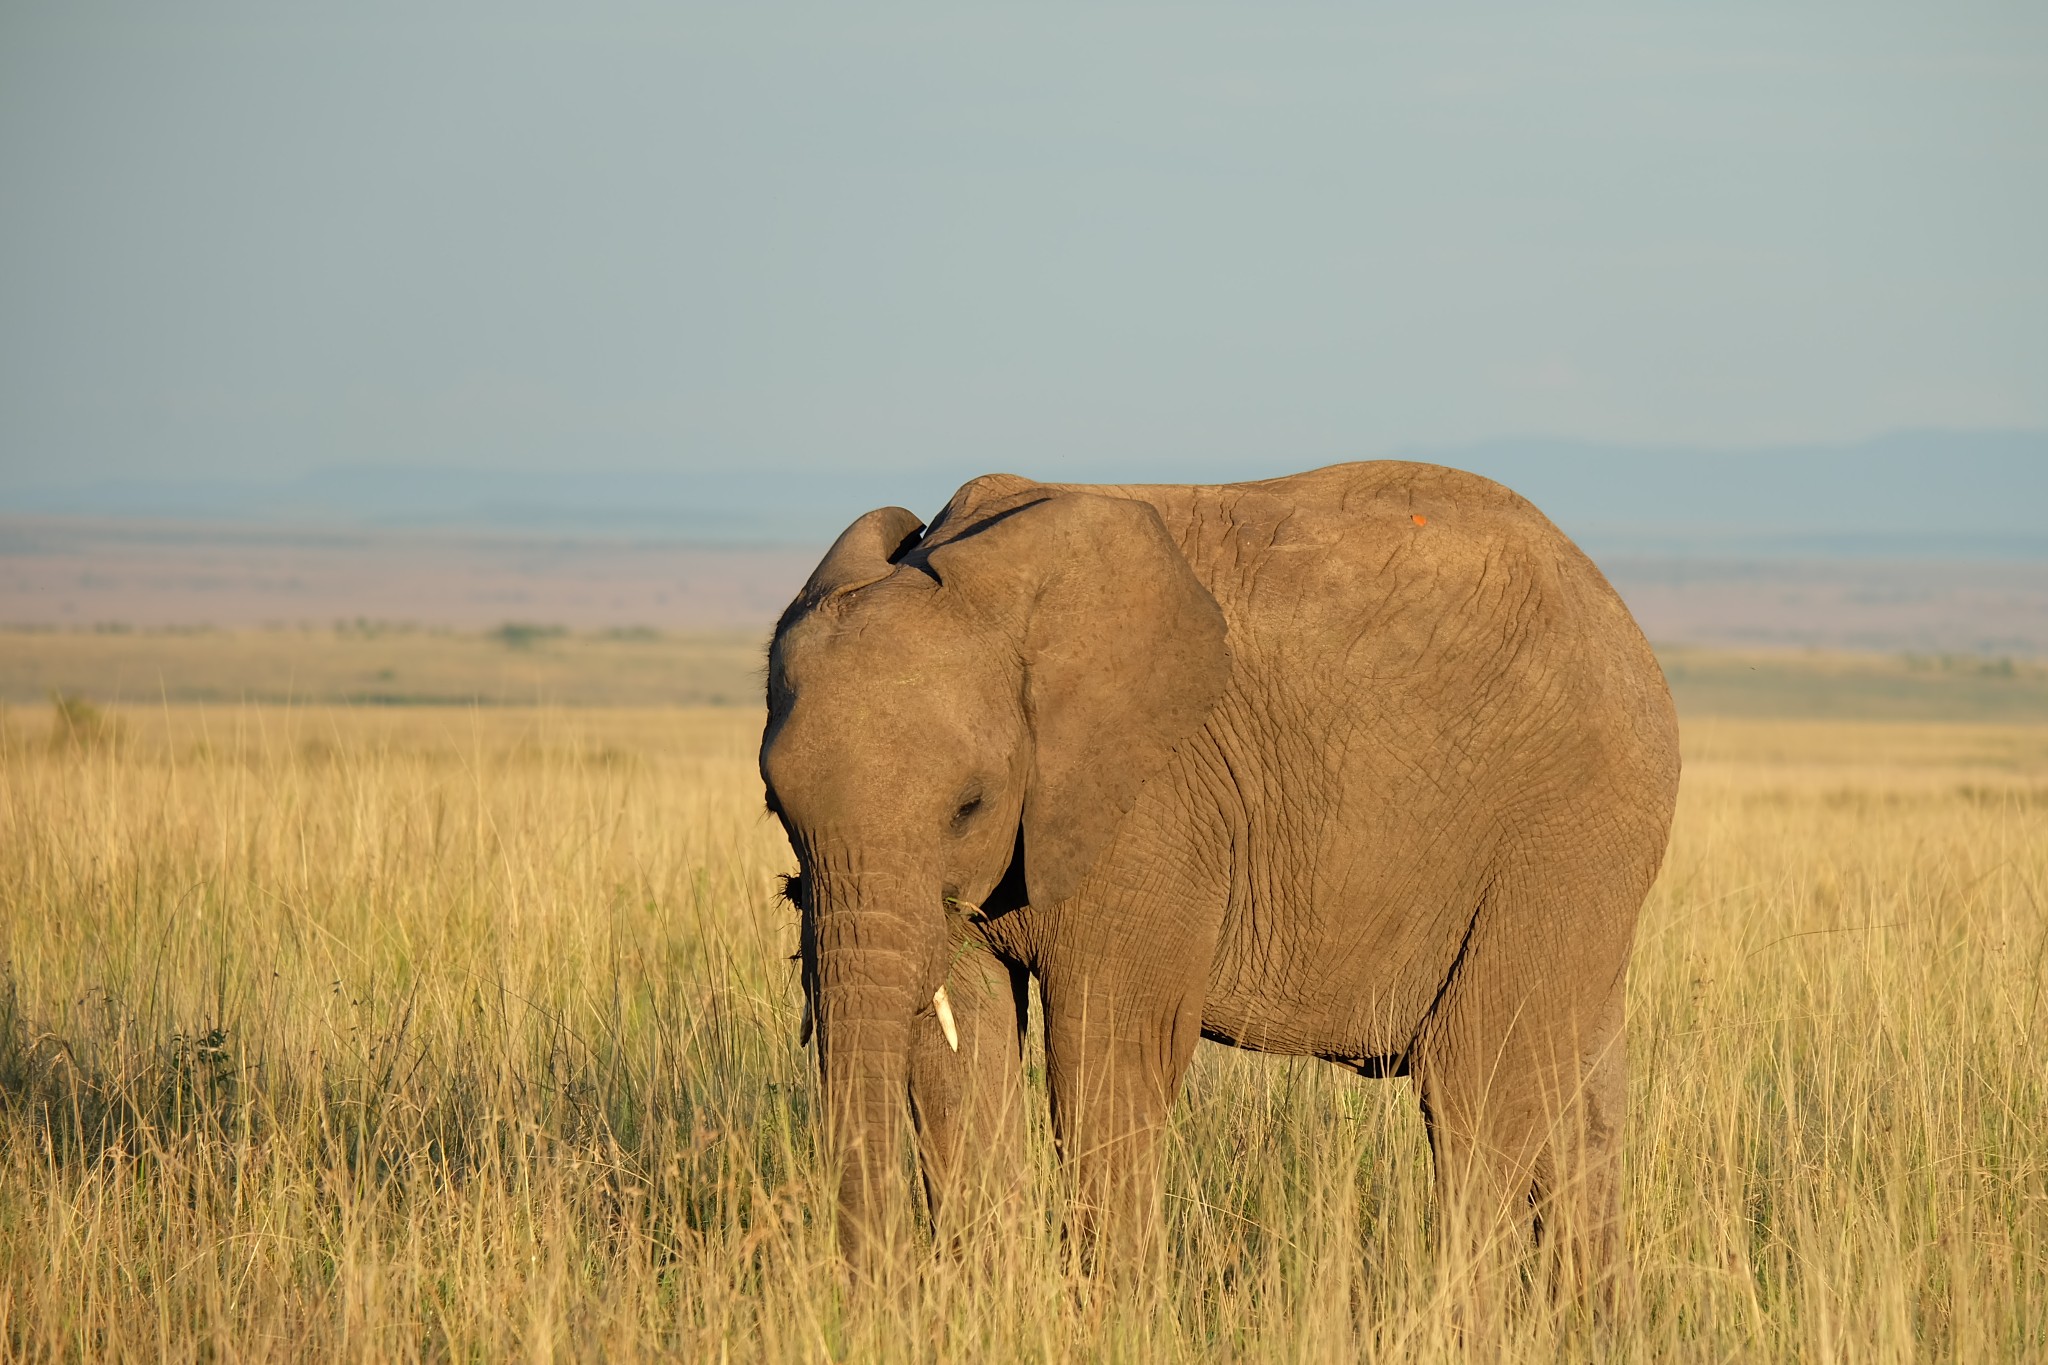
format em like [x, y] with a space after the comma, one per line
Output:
[1367, 764]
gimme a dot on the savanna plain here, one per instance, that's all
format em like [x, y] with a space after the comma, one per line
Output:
[348, 1030]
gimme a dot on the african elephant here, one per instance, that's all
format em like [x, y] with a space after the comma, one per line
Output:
[1367, 764]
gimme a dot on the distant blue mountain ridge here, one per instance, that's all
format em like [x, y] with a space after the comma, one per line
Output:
[1931, 494]
[1934, 493]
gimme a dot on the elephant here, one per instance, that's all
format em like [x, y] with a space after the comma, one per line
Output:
[1368, 764]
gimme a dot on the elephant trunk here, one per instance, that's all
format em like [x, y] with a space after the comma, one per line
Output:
[878, 954]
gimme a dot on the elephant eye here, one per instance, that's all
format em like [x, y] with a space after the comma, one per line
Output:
[966, 811]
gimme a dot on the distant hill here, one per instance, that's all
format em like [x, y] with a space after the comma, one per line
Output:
[1925, 494]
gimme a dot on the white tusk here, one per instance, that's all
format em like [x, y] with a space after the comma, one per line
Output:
[803, 1030]
[945, 1011]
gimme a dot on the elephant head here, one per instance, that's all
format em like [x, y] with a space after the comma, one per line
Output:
[938, 706]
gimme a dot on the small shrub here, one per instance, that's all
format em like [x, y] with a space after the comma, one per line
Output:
[524, 634]
[78, 724]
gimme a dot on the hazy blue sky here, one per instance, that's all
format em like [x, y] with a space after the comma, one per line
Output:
[1085, 241]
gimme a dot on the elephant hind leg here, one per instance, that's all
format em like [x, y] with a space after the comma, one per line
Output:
[1522, 1073]
[1578, 1186]
[1484, 1149]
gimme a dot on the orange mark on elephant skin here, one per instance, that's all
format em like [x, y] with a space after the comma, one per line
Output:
[1419, 519]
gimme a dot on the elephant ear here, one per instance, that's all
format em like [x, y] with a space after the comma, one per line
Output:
[865, 552]
[1123, 657]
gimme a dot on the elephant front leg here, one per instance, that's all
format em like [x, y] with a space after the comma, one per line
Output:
[967, 1096]
[1115, 1057]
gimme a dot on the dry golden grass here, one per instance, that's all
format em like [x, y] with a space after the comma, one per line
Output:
[449, 1034]
[370, 664]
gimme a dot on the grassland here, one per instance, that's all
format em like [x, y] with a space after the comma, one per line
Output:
[372, 664]
[1831, 685]
[404, 1032]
